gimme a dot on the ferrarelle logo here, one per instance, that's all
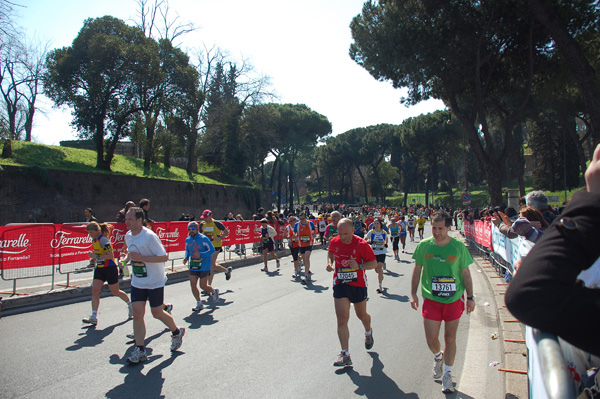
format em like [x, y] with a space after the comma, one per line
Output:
[65, 239]
[241, 231]
[117, 235]
[169, 236]
[14, 247]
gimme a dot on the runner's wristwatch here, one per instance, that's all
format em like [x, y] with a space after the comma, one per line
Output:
[471, 298]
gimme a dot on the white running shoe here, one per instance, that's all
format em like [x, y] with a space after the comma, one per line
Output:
[168, 308]
[138, 355]
[215, 295]
[93, 320]
[176, 340]
[437, 365]
[199, 306]
[447, 385]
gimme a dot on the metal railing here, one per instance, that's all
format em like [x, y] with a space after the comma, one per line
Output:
[553, 366]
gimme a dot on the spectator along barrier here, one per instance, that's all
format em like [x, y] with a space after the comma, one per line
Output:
[547, 369]
[38, 250]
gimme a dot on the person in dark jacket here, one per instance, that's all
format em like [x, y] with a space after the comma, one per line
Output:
[546, 293]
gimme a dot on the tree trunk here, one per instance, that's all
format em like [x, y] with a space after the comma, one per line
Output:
[362, 177]
[99, 141]
[192, 161]
[167, 154]
[148, 153]
[7, 149]
[291, 179]
[29, 119]
[279, 187]
[273, 172]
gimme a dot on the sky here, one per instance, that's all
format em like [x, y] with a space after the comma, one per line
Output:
[301, 45]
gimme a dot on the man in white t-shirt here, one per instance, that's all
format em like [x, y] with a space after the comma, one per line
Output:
[148, 257]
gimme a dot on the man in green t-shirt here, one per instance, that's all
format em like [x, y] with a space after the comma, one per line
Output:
[442, 266]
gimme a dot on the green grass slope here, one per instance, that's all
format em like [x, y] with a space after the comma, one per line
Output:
[66, 158]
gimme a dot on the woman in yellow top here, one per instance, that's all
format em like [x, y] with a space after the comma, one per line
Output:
[106, 268]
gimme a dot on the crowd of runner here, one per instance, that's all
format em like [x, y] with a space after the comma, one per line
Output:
[355, 243]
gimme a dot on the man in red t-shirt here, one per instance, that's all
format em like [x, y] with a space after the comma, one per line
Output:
[348, 257]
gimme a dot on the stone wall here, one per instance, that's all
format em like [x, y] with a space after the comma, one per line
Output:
[54, 196]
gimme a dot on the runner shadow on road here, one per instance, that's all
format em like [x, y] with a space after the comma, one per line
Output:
[378, 384]
[138, 385]
[318, 289]
[93, 336]
[197, 320]
[273, 273]
[399, 298]
[390, 273]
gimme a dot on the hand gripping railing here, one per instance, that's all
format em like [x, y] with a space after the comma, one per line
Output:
[555, 373]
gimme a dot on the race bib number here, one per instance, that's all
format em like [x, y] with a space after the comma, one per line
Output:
[378, 246]
[444, 287]
[305, 238]
[195, 264]
[139, 269]
[209, 232]
[347, 276]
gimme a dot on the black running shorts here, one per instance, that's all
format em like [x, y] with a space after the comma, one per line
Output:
[155, 296]
[110, 274]
[355, 294]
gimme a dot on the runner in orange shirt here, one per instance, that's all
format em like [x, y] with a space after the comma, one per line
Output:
[305, 229]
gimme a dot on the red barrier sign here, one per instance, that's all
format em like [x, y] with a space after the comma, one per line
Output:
[33, 245]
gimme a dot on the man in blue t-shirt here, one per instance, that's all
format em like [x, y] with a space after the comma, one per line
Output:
[198, 251]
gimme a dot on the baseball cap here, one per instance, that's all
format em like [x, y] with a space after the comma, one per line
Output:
[206, 213]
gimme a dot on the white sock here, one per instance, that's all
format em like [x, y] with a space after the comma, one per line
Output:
[345, 352]
[368, 333]
[448, 369]
[94, 313]
[438, 355]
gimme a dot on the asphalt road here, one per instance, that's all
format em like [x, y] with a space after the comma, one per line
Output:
[267, 337]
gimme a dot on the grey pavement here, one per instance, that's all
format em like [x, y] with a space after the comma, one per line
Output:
[267, 337]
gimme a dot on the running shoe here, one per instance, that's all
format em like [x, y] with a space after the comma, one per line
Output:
[437, 365]
[93, 320]
[130, 310]
[265, 269]
[447, 385]
[343, 360]
[369, 341]
[169, 308]
[278, 263]
[199, 306]
[379, 290]
[138, 355]
[215, 295]
[176, 340]
[228, 273]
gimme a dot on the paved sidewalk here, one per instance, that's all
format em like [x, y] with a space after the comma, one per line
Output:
[515, 353]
